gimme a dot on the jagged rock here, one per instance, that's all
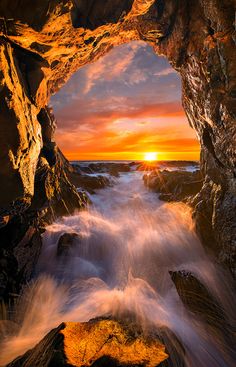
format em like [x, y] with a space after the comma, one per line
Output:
[98, 343]
[174, 185]
[66, 242]
[89, 183]
[198, 299]
[114, 172]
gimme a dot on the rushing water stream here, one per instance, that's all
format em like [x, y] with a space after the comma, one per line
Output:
[119, 264]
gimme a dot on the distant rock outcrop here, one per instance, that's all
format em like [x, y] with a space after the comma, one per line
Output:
[174, 185]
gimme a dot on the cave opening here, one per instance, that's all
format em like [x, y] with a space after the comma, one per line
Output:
[123, 106]
[41, 45]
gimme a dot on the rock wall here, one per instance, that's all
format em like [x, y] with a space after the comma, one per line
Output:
[43, 42]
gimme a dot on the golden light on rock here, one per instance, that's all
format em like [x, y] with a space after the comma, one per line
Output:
[85, 343]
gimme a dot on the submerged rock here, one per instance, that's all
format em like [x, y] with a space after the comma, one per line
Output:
[66, 242]
[99, 343]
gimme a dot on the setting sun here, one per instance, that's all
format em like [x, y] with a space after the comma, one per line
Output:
[151, 156]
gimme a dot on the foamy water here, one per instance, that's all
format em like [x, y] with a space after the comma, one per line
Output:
[127, 243]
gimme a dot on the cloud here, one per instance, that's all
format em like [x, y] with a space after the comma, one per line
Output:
[76, 114]
[126, 102]
[113, 65]
[142, 123]
[165, 72]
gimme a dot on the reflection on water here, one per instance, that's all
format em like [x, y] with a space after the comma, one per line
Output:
[118, 264]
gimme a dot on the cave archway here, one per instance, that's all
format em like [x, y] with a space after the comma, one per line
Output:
[43, 43]
[125, 104]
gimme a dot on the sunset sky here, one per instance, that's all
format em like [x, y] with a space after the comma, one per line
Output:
[125, 104]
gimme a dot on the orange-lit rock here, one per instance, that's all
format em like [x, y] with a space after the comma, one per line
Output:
[97, 342]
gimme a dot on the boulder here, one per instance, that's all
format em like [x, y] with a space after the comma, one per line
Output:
[66, 242]
[99, 342]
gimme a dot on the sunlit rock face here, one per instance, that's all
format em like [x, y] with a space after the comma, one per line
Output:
[43, 42]
[95, 343]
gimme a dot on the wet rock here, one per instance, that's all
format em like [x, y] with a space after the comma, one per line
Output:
[17, 263]
[113, 171]
[198, 299]
[27, 252]
[54, 193]
[195, 295]
[121, 167]
[99, 342]
[66, 242]
[174, 185]
[174, 348]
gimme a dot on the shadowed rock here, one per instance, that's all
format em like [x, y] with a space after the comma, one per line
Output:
[199, 300]
[66, 242]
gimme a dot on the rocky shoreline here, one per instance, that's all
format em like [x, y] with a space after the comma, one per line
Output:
[174, 185]
[56, 348]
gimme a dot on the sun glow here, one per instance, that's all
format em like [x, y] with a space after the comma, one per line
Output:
[151, 156]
